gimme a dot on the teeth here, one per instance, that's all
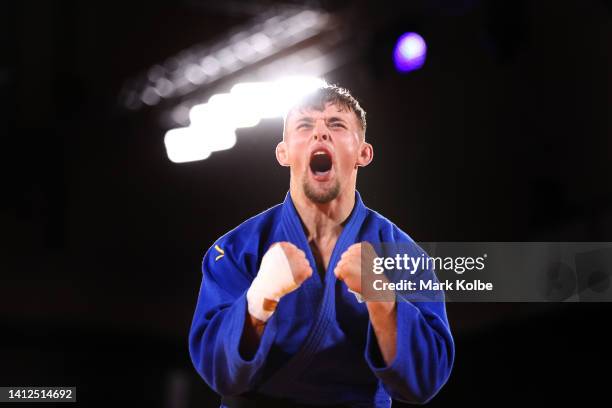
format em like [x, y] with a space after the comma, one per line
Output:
[319, 153]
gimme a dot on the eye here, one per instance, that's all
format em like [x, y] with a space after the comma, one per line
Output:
[337, 125]
[303, 126]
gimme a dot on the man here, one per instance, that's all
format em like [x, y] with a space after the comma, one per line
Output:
[279, 319]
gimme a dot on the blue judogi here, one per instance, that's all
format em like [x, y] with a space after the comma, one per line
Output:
[318, 347]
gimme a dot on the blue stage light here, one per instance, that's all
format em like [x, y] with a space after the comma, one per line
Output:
[409, 52]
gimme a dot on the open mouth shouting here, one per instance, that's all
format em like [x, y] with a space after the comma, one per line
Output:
[321, 164]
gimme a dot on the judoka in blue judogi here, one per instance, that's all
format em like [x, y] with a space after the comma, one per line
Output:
[277, 317]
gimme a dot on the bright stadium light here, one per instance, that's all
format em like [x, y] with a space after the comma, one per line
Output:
[223, 110]
[291, 89]
[271, 99]
[259, 96]
[265, 37]
[184, 145]
[192, 143]
[213, 124]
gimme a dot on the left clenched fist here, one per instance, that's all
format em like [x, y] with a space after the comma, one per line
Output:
[349, 267]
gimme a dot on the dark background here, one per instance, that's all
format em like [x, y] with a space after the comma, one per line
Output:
[504, 135]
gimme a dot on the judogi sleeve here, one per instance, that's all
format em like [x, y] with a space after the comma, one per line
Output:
[424, 354]
[218, 324]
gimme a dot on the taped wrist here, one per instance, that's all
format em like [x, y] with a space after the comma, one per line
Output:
[273, 281]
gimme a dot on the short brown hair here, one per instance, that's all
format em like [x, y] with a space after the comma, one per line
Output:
[330, 93]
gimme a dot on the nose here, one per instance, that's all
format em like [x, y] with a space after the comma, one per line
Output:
[321, 133]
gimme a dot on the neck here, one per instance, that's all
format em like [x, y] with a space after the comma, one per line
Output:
[323, 221]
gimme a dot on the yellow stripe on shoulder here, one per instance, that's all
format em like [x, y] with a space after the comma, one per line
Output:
[221, 253]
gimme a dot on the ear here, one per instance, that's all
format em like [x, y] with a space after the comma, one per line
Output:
[366, 154]
[282, 155]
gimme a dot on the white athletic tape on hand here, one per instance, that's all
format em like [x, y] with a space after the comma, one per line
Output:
[273, 281]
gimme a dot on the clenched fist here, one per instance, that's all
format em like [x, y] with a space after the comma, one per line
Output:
[283, 269]
[298, 263]
[355, 269]
[348, 268]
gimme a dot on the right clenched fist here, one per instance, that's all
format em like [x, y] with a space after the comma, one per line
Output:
[298, 264]
[283, 269]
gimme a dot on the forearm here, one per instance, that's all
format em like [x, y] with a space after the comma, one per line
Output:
[278, 275]
[383, 317]
[252, 333]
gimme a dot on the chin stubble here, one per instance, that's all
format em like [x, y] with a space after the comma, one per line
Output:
[321, 197]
